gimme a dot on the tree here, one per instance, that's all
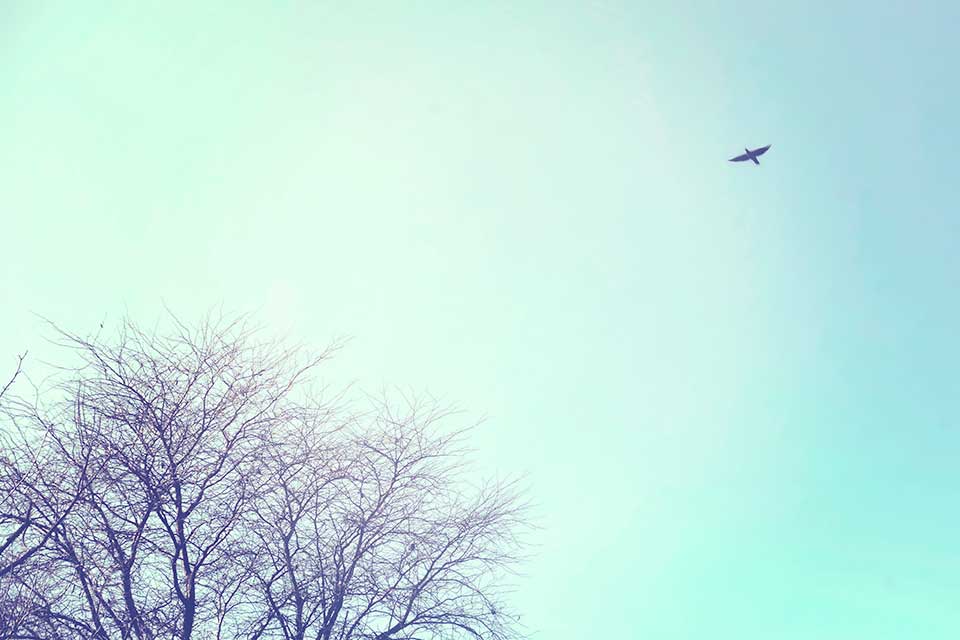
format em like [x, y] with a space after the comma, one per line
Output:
[15, 519]
[192, 485]
[34, 504]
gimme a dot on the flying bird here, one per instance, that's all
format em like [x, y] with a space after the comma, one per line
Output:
[751, 155]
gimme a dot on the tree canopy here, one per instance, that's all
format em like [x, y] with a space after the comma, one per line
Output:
[194, 484]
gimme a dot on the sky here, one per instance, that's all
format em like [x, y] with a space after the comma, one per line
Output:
[731, 389]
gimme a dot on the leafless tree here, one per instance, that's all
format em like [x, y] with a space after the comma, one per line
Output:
[374, 538]
[12, 530]
[192, 486]
[36, 497]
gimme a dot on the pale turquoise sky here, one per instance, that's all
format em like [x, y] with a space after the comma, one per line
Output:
[733, 389]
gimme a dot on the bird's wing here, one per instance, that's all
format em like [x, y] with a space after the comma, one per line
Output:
[740, 158]
[761, 150]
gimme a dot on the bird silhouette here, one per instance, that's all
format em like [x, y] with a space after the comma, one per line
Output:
[751, 155]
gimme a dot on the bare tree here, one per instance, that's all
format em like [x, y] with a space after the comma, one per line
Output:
[15, 516]
[191, 486]
[36, 497]
[375, 539]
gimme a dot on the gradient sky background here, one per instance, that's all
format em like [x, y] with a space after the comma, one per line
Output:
[733, 389]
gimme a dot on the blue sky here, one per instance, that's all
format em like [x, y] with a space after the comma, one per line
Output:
[730, 388]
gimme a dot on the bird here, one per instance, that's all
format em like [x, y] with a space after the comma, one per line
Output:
[751, 155]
